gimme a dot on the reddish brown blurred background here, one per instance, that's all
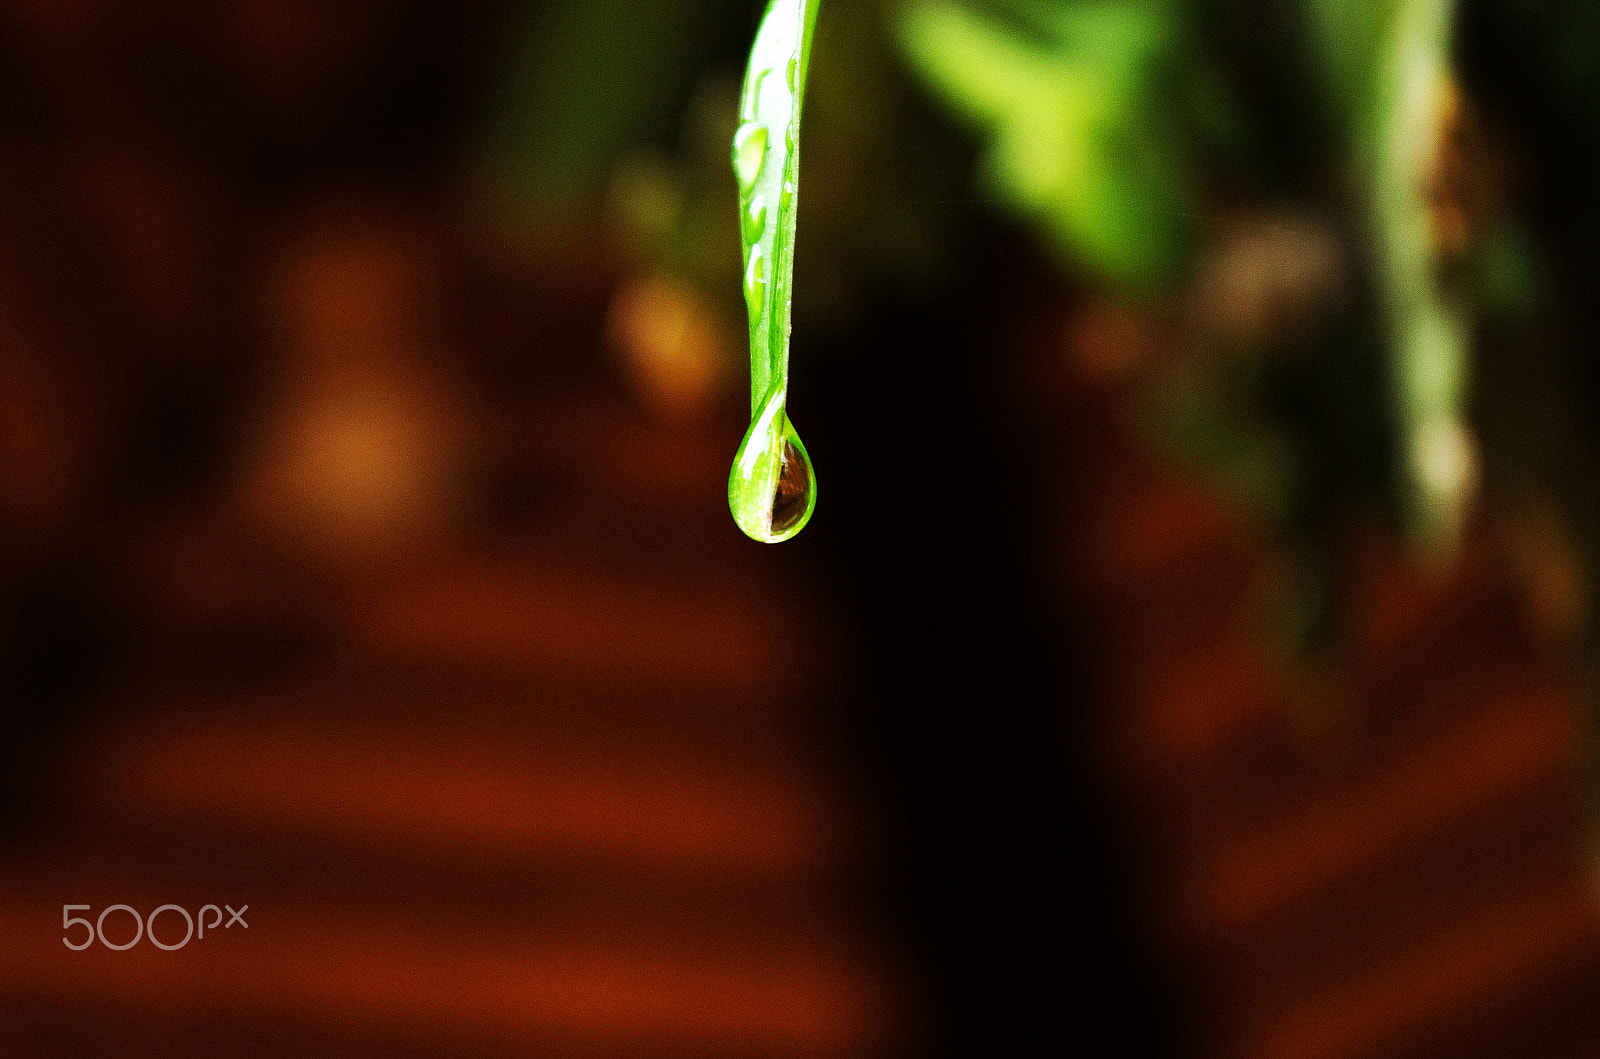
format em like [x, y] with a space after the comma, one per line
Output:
[364, 560]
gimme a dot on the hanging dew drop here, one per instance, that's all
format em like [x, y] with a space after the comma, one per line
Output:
[793, 73]
[749, 152]
[772, 488]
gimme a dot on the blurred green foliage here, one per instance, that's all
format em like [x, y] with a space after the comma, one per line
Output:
[585, 82]
[1079, 116]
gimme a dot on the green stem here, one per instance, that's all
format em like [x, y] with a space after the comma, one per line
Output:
[1428, 332]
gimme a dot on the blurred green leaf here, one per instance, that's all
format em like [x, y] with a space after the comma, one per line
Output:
[1079, 138]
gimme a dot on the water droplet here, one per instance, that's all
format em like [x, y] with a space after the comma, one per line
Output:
[794, 73]
[772, 488]
[755, 219]
[749, 151]
[786, 196]
[788, 137]
[755, 280]
[791, 500]
[752, 91]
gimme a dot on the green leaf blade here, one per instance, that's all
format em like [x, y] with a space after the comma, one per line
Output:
[770, 494]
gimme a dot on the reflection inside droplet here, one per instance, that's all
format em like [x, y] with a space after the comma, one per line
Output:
[793, 495]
